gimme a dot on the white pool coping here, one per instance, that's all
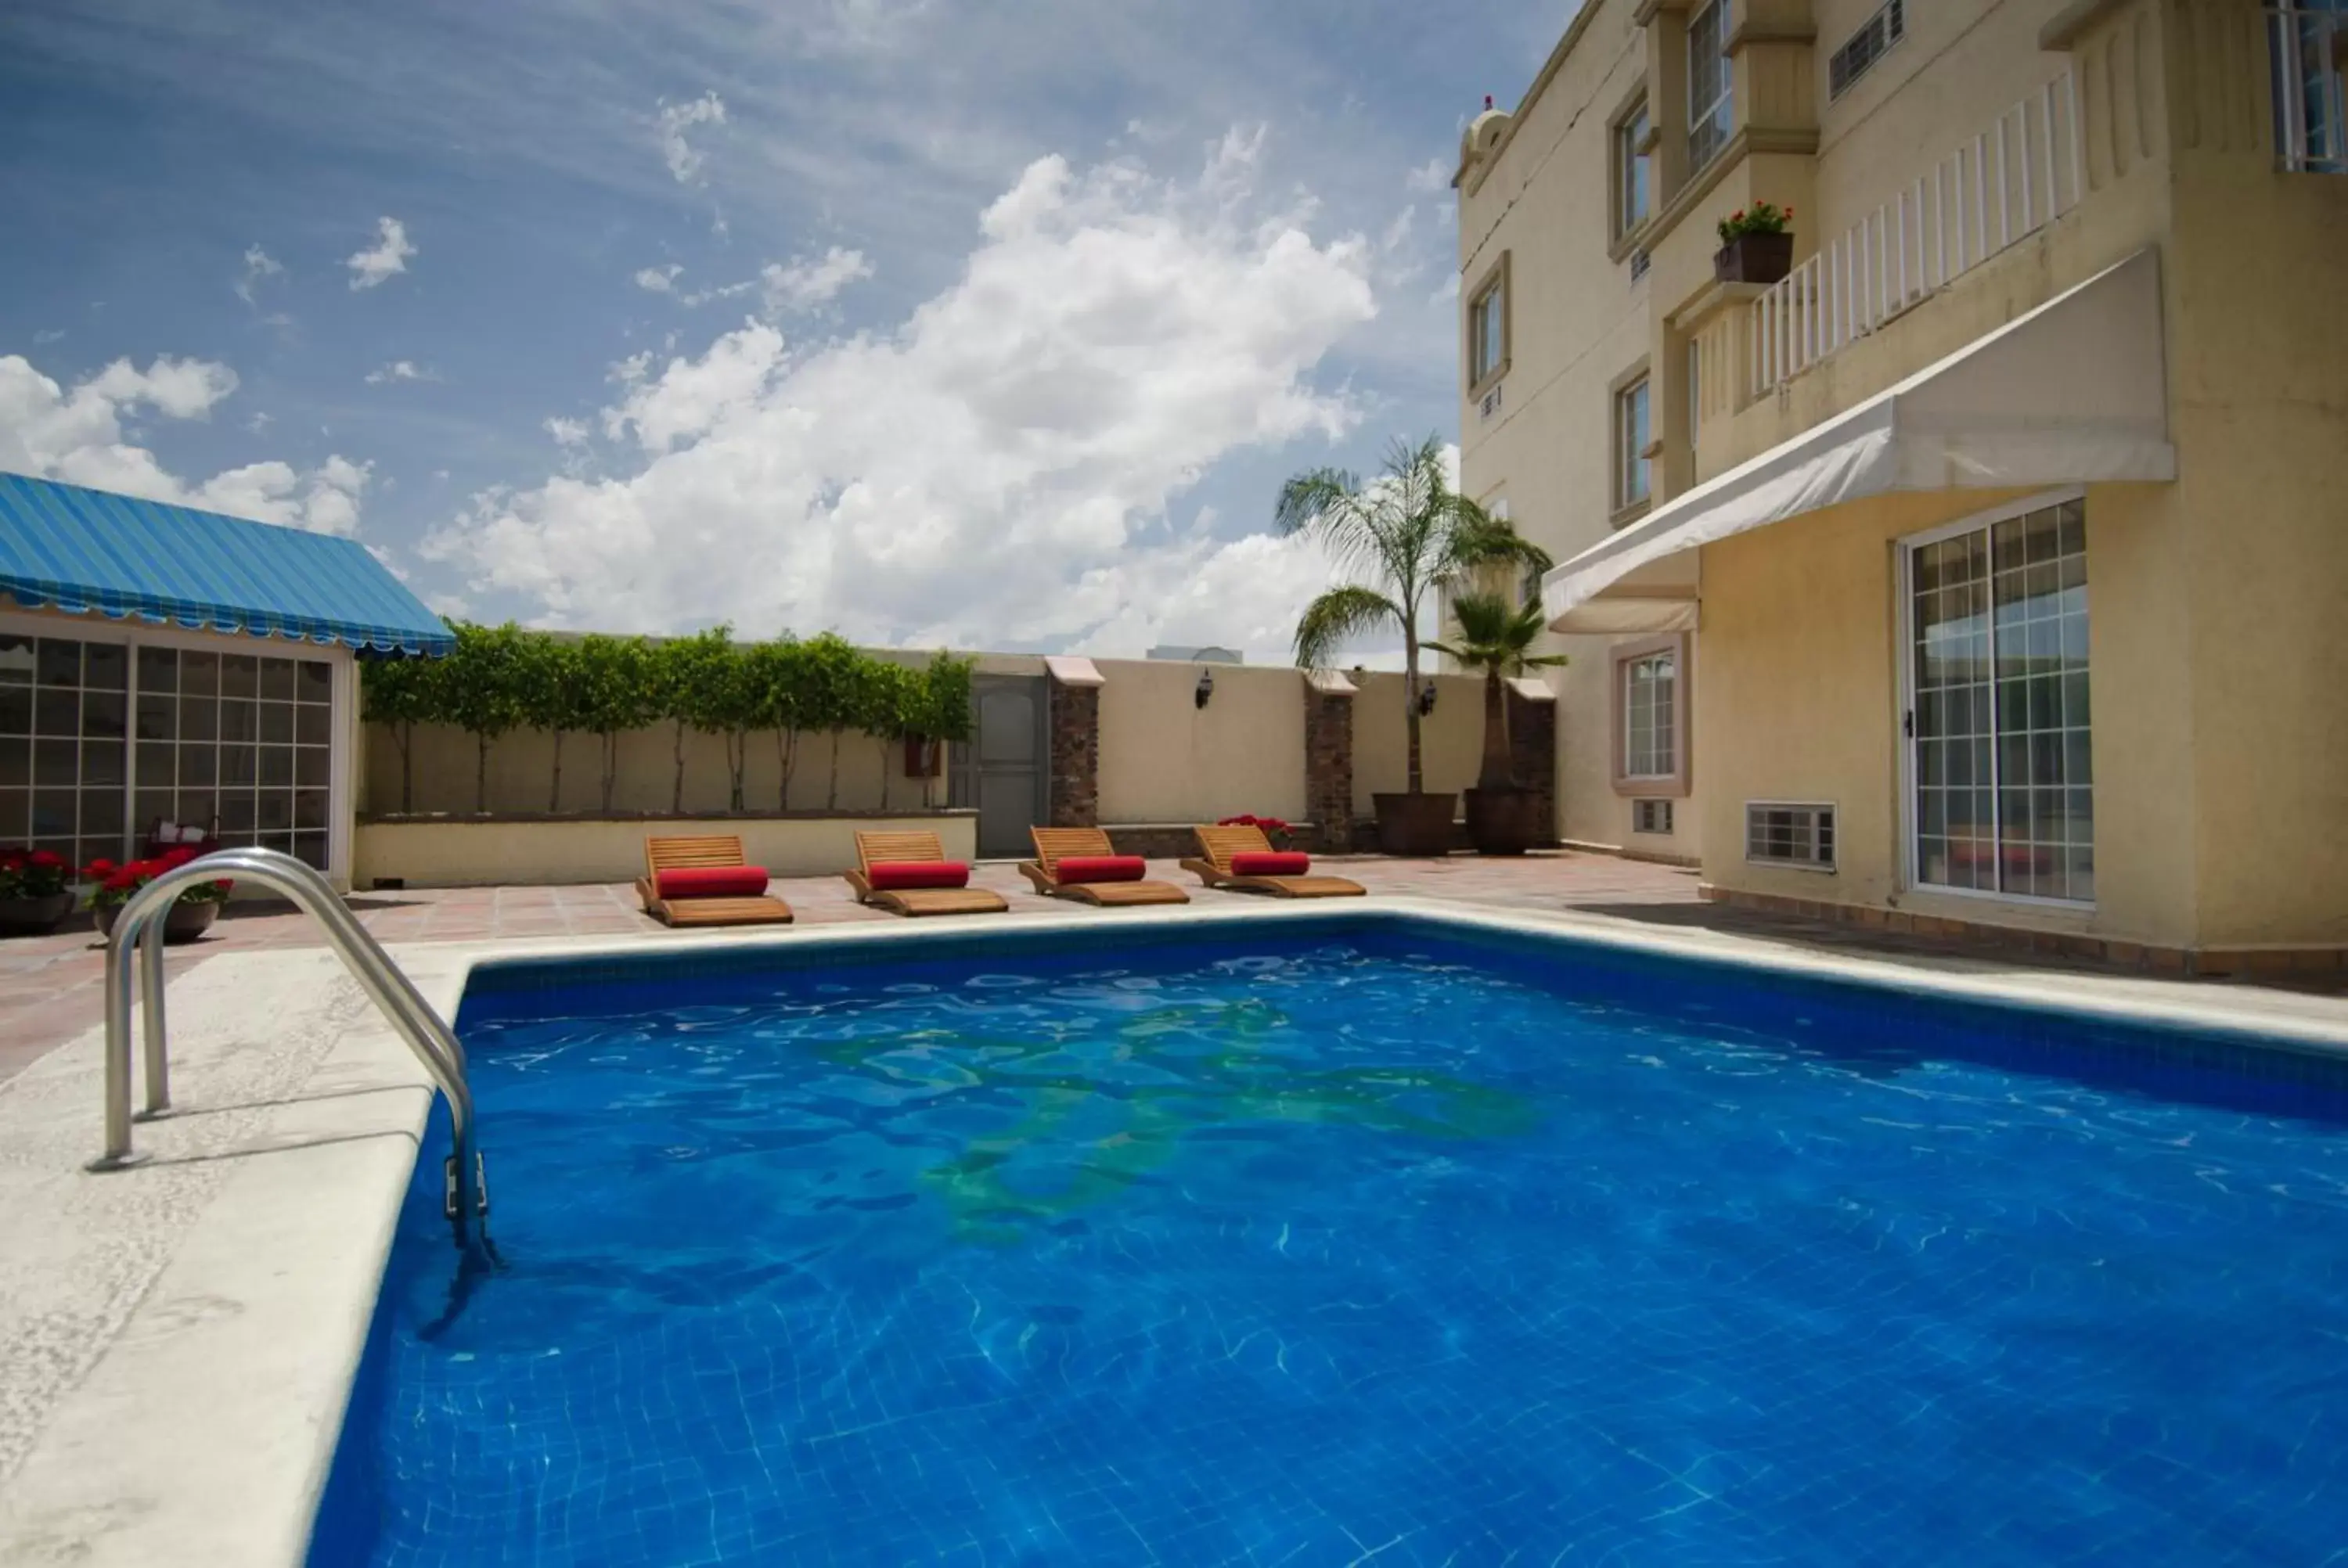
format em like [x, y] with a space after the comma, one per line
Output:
[177, 1368]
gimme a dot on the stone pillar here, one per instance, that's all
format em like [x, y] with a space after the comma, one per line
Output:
[1532, 746]
[1329, 760]
[1074, 701]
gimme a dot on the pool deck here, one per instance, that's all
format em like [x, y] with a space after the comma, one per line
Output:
[176, 1339]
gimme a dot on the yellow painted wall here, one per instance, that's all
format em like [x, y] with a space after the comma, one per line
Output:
[1163, 758]
[490, 854]
[1801, 701]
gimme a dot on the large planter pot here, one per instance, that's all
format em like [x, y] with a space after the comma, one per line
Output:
[34, 917]
[1754, 259]
[184, 923]
[1506, 821]
[1414, 823]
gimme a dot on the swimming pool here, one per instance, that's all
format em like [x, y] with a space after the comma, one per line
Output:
[1299, 1242]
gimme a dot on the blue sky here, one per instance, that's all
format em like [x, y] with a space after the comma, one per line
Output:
[996, 324]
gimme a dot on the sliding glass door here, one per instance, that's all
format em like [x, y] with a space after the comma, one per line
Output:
[2001, 776]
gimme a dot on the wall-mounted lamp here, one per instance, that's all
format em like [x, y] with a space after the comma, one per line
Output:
[1427, 700]
[1206, 687]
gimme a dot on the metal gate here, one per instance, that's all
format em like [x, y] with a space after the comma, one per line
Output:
[1003, 772]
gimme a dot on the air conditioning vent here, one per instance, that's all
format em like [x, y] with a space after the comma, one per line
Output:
[1650, 816]
[1779, 834]
[1639, 262]
[1869, 44]
[1491, 403]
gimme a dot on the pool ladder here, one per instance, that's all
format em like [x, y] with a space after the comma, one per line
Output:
[138, 927]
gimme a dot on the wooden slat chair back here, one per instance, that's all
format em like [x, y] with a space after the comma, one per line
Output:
[1217, 845]
[687, 854]
[882, 848]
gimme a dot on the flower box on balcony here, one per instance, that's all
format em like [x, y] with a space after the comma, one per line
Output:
[1754, 259]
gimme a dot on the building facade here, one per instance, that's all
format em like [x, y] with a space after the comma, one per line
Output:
[1988, 567]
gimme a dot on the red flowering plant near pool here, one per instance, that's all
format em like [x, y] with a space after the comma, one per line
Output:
[33, 873]
[116, 884]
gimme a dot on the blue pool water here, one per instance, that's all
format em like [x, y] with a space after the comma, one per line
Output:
[1348, 1238]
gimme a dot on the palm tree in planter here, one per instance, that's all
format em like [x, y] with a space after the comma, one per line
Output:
[1496, 634]
[1409, 534]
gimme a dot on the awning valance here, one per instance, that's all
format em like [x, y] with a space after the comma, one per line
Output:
[83, 551]
[2073, 393]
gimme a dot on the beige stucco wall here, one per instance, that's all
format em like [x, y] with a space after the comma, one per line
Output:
[1164, 759]
[490, 854]
[521, 770]
[1451, 739]
[1801, 701]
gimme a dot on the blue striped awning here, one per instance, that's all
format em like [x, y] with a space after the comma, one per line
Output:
[82, 551]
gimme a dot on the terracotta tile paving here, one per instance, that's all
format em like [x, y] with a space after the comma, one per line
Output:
[50, 988]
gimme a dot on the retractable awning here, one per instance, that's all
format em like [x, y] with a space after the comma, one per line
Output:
[83, 551]
[2072, 393]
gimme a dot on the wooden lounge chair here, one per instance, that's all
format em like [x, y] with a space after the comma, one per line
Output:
[1218, 846]
[1057, 848]
[691, 859]
[926, 882]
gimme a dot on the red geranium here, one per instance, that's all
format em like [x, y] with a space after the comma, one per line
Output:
[116, 884]
[33, 873]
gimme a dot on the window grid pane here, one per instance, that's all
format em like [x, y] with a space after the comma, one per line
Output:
[1709, 77]
[1633, 474]
[1650, 735]
[2004, 772]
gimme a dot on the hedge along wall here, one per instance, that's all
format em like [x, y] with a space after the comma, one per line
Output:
[428, 721]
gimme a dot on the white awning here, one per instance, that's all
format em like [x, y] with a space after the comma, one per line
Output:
[2073, 393]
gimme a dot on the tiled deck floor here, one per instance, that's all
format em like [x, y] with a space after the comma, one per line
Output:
[51, 985]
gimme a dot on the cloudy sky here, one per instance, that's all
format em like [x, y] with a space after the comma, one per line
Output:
[991, 323]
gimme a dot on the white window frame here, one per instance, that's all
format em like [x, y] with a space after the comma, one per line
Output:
[2296, 30]
[1910, 876]
[1695, 390]
[1828, 867]
[1670, 727]
[1712, 103]
[1633, 171]
[341, 708]
[1495, 288]
[1630, 446]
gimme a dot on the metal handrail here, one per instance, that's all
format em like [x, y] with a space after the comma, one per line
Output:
[139, 926]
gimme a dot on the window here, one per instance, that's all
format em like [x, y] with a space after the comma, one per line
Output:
[1631, 192]
[1709, 92]
[2000, 761]
[1797, 835]
[1487, 330]
[1651, 716]
[1631, 469]
[2308, 41]
[1650, 816]
[1863, 48]
[99, 741]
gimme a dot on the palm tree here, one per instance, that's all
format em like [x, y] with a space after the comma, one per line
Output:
[1408, 532]
[1497, 637]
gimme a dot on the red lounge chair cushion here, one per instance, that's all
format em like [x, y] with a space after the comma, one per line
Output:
[896, 875]
[1270, 862]
[1076, 868]
[712, 882]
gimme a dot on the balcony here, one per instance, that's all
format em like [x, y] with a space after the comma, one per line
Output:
[2011, 179]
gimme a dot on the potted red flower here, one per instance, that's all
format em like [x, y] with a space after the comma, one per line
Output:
[1757, 245]
[35, 891]
[1273, 828]
[191, 914]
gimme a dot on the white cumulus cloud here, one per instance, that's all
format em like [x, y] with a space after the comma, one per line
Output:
[399, 369]
[258, 264]
[76, 436]
[684, 159]
[999, 468]
[659, 280]
[385, 259]
[808, 282]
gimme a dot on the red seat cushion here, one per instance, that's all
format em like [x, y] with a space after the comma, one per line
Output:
[896, 875]
[1074, 869]
[1270, 862]
[712, 882]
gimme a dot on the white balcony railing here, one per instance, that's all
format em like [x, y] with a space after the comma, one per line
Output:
[2009, 181]
[2307, 45]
